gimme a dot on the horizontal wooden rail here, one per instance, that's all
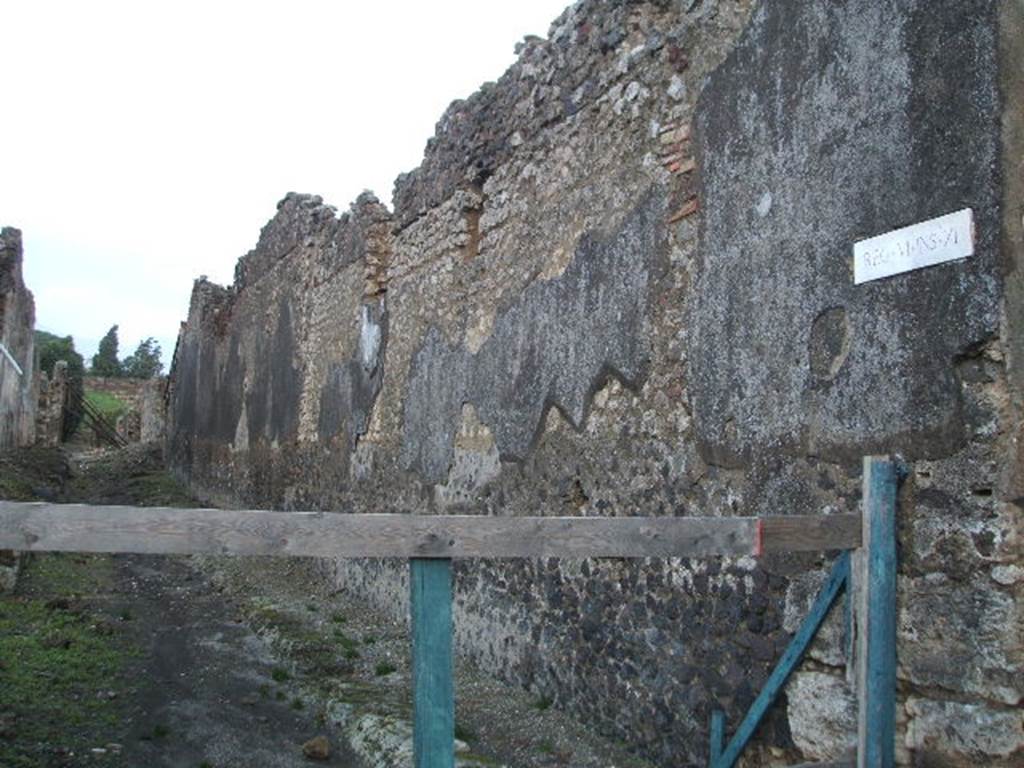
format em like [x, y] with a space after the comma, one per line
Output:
[162, 530]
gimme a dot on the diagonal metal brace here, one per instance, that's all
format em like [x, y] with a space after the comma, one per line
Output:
[726, 758]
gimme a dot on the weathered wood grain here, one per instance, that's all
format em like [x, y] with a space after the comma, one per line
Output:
[155, 530]
[808, 533]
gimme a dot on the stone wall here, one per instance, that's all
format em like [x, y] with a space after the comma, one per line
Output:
[17, 329]
[53, 396]
[145, 420]
[620, 283]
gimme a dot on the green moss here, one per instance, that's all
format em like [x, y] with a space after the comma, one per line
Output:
[54, 662]
[384, 668]
[278, 675]
[346, 642]
[158, 489]
[14, 487]
[66, 574]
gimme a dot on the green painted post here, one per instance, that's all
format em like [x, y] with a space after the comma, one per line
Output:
[876, 621]
[430, 605]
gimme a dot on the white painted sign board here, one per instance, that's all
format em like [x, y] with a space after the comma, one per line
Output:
[924, 244]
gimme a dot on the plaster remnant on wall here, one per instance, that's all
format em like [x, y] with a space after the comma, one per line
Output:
[553, 346]
[891, 151]
[475, 462]
[350, 391]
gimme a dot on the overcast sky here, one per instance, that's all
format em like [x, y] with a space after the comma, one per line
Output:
[143, 144]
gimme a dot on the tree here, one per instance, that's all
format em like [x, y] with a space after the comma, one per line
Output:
[52, 348]
[105, 362]
[144, 363]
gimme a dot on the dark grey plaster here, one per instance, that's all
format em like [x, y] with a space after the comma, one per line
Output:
[829, 123]
[351, 387]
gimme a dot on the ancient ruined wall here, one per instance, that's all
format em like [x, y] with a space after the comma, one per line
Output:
[17, 327]
[620, 283]
[53, 395]
[153, 411]
[128, 391]
[146, 400]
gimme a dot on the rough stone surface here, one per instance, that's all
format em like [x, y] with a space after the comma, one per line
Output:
[822, 715]
[956, 734]
[53, 393]
[17, 327]
[619, 283]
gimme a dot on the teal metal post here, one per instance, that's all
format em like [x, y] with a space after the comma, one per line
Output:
[876, 678]
[430, 605]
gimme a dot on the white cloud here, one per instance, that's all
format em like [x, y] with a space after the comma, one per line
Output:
[144, 144]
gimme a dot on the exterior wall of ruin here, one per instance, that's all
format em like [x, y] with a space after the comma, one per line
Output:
[53, 395]
[17, 329]
[620, 283]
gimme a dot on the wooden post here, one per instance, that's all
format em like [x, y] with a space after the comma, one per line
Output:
[430, 592]
[876, 617]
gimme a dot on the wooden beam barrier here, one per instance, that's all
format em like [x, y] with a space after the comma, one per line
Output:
[40, 527]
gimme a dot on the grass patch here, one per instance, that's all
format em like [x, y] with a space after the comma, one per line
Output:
[346, 642]
[27, 474]
[298, 703]
[338, 618]
[158, 489]
[67, 574]
[54, 662]
[462, 733]
[14, 487]
[278, 675]
[384, 668]
[543, 703]
[110, 406]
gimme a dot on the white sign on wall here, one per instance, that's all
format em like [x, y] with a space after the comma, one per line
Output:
[930, 242]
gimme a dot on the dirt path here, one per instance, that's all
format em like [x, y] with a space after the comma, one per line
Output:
[135, 661]
[208, 693]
